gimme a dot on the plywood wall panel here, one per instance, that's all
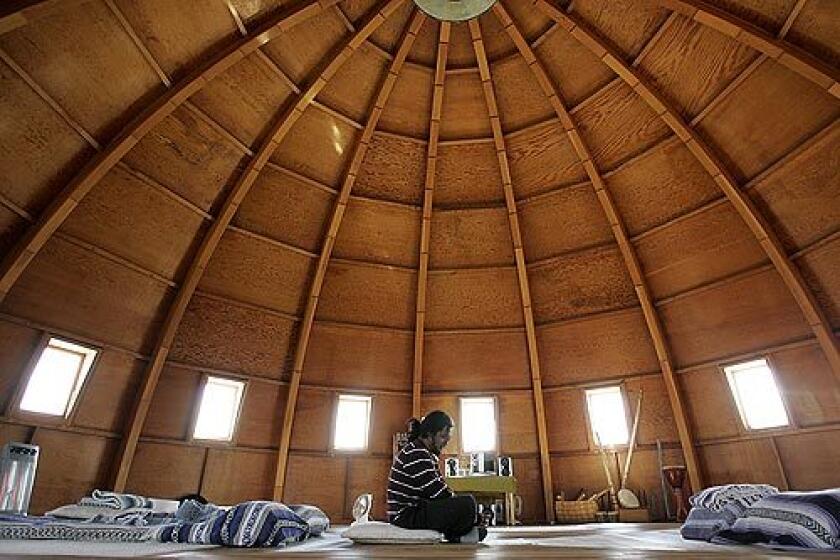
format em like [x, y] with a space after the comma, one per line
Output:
[532, 23]
[232, 476]
[517, 424]
[56, 484]
[12, 227]
[468, 174]
[302, 48]
[367, 475]
[174, 404]
[17, 344]
[529, 487]
[388, 34]
[351, 91]
[542, 158]
[64, 53]
[569, 219]
[317, 480]
[656, 421]
[805, 378]
[368, 295]
[821, 269]
[474, 237]
[450, 405]
[389, 416]
[39, 152]
[132, 219]
[617, 125]
[497, 42]
[602, 347]
[460, 53]
[659, 186]
[378, 232]
[314, 419]
[580, 284]
[166, 470]
[110, 391]
[255, 271]
[464, 112]
[708, 401]
[409, 107]
[769, 114]
[574, 473]
[566, 420]
[815, 30]
[741, 462]
[626, 23]
[474, 362]
[185, 154]
[770, 15]
[72, 288]
[393, 169]
[424, 50]
[745, 315]
[473, 298]
[519, 96]
[810, 460]
[261, 416]
[698, 250]
[225, 336]
[252, 13]
[15, 432]
[380, 359]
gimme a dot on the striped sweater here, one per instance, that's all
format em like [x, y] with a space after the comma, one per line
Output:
[414, 477]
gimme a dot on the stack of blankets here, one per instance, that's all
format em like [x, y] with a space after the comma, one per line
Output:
[112, 517]
[759, 513]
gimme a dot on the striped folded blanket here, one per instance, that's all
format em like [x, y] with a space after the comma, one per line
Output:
[47, 528]
[115, 500]
[731, 500]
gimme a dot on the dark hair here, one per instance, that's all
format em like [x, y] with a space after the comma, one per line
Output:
[196, 497]
[432, 423]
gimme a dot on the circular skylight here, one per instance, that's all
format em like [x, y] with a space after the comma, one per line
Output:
[454, 10]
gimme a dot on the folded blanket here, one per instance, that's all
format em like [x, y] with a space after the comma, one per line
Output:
[731, 500]
[33, 527]
[114, 500]
[704, 524]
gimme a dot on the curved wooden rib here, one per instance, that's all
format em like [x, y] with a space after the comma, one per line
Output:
[801, 62]
[51, 219]
[628, 252]
[385, 89]
[426, 227]
[211, 240]
[521, 268]
[745, 207]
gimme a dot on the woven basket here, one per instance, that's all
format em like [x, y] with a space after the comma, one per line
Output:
[582, 511]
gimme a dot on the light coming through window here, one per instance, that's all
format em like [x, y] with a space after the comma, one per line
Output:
[219, 409]
[757, 395]
[478, 424]
[352, 423]
[57, 378]
[607, 416]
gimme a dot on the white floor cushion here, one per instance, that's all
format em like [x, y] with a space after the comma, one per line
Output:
[377, 532]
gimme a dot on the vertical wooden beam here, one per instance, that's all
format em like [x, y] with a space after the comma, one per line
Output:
[521, 268]
[385, 89]
[742, 203]
[628, 252]
[426, 227]
[279, 130]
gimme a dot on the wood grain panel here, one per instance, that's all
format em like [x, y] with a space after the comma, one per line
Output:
[472, 361]
[601, 347]
[693, 63]
[448, 404]
[380, 359]
[72, 288]
[517, 424]
[56, 484]
[563, 221]
[644, 474]
[464, 114]
[574, 473]
[378, 232]
[12, 227]
[261, 417]
[467, 174]
[617, 125]
[109, 392]
[805, 468]
[529, 486]
[132, 219]
[15, 432]
[580, 284]
[497, 43]
[351, 91]
[479, 237]
[769, 114]
[566, 420]
[806, 380]
[741, 462]
[166, 471]
[254, 477]
[767, 14]
[39, 152]
[821, 269]
[656, 421]
[315, 412]
[301, 49]
[255, 271]
[460, 53]
[816, 30]
[317, 480]
[174, 404]
[627, 24]
[424, 50]
[388, 34]
[186, 155]
[254, 11]
[368, 295]
[409, 107]
[86, 62]
[542, 158]
[17, 344]
[393, 169]
[245, 98]
[388, 416]
[698, 250]
[221, 335]
[473, 298]
[746, 315]
[800, 198]
[664, 183]
[531, 23]
[318, 146]
[367, 475]
[520, 99]
[709, 402]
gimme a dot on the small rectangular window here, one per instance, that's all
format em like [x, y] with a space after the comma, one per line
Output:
[219, 409]
[607, 415]
[756, 395]
[352, 423]
[57, 379]
[478, 424]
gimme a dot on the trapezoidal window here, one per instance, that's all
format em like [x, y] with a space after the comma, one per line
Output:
[219, 409]
[607, 416]
[478, 424]
[756, 394]
[352, 423]
[57, 378]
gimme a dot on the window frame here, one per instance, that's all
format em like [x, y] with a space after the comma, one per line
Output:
[590, 431]
[336, 401]
[743, 428]
[234, 436]
[460, 424]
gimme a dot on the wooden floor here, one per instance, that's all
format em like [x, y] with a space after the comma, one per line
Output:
[625, 541]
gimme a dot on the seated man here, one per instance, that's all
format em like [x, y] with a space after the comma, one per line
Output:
[418, 497]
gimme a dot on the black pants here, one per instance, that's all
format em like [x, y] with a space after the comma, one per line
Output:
[454, 517]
